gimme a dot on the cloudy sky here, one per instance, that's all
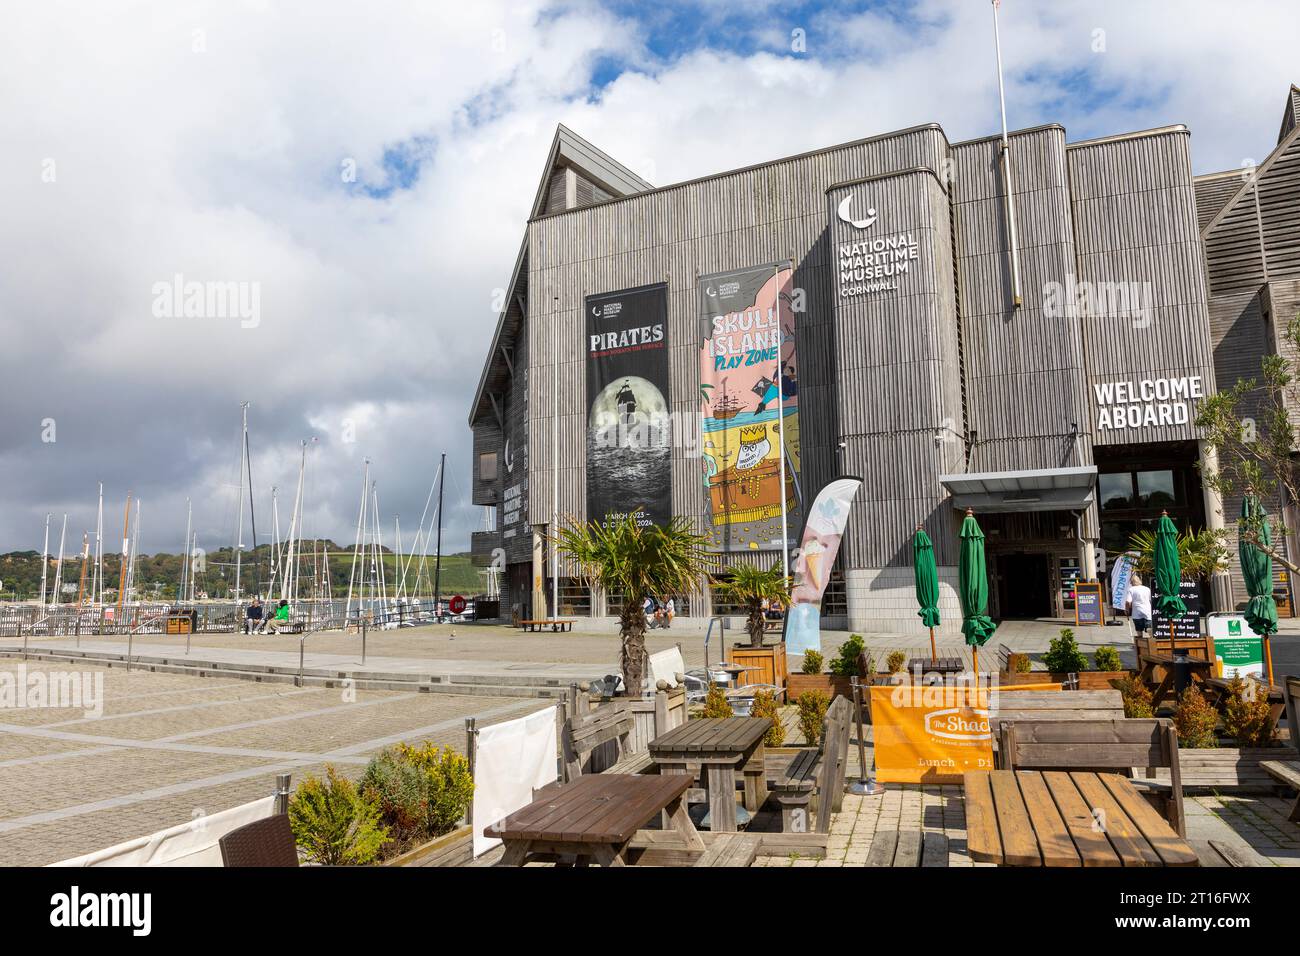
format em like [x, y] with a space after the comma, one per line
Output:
[367, 169]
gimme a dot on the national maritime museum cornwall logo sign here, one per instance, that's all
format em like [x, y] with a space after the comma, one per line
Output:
[872, 264]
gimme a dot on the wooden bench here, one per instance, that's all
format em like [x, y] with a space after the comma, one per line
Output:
[908, 848]
[1057, 705]
[1220, 854]
[586, 730]
[1287, 773]
[555, 624]
[817, 772]
[1101, 745]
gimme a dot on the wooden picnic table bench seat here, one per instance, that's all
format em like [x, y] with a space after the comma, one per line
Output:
[730, 849]
[817, 773]
[1116, 745]
[908, 848]
[609, 728]
[1221, 854]
[1286, 772]
[555, 624]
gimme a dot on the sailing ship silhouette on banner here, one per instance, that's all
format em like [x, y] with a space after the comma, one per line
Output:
[746, 328]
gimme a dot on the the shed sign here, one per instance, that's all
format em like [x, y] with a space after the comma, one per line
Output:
[1147, 403]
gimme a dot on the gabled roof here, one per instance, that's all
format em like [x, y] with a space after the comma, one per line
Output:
[568, 151]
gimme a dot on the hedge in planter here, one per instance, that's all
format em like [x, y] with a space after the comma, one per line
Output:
[334, 823]
[423, 792]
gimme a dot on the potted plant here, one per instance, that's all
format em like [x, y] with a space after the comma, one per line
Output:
[1229, 759]
[623, 557]
[751, 588]
[851, 661]
[1063, 658]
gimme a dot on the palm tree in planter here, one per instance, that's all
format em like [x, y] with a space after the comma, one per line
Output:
[750, 587]
[621, 556]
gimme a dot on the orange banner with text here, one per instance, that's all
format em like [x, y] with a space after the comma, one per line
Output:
[930, 734]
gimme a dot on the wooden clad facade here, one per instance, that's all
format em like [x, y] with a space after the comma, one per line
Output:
[1134, 277]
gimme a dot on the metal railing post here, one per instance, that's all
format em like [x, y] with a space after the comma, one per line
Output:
[24, 637]
[363, 641]
[130, 642]
[471, 745]
[863, 786]
[282, 792]
[302, 645]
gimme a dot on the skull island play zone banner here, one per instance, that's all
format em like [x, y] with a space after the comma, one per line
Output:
[747, 346]
[629, 448]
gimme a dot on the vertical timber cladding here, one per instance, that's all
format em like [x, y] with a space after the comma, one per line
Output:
[897, 361]
[678, 233]
[1026, 385]
[513, 522]
[750, 431]
[629, 428]
[1140, 289]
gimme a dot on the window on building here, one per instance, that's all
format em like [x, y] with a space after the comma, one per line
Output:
[1155, 489]
[575, 598]
[1115, 490]
[487, 466]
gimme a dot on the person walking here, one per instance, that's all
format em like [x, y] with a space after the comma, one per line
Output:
[281, 619]
[253, 616]
[1138, 604]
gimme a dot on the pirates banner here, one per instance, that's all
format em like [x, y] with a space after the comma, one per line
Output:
[629, 448]
[749, 401]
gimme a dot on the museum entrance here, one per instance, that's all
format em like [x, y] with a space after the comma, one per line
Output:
[1024, 585]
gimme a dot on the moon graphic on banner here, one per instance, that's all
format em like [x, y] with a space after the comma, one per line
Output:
[629, 440]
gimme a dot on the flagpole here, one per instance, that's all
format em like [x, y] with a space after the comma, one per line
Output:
[1007, 183]
[780, 435]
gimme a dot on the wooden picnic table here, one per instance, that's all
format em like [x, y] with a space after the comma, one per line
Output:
[718, 746]
[555, 624]
[1200, 670]
[594, 818]
[1066, 818]
[939, 665]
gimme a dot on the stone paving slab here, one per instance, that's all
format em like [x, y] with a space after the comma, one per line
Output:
[171, 748]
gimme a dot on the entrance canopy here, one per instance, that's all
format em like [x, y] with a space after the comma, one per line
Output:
[1044, 489]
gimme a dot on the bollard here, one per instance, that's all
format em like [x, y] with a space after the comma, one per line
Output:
[282, 792]
[863, 786]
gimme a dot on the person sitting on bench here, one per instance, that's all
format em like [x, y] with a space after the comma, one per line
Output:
[280, 621]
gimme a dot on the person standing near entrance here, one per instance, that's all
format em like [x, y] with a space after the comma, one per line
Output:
[1138, 604]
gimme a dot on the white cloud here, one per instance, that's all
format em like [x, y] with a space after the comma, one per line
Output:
[224, 165]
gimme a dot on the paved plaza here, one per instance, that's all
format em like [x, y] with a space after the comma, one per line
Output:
[171, 747]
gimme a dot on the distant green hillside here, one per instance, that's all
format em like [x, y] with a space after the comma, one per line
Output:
[159, 575]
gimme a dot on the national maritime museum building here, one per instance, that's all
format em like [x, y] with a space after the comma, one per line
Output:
[888, 309]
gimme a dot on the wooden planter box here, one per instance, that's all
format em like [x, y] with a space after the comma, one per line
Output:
[1088, 680]
[828, 684]
[1236, 768]
[451, 849]
[768, 662]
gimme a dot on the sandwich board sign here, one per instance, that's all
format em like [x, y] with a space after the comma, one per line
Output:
[1088, 603]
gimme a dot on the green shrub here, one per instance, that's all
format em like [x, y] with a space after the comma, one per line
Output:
[422, 791]
[895, 661]
[812, 662]
[334, 823]
[1063, 655]
[812, 706]
[1195, 720]
[765, 705]
[716, 703]
[1106, 658]
[1021, 664]
[1136, 695]
[1246, 714]
[848, 664]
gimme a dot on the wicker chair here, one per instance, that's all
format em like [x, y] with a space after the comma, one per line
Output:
[267, 842]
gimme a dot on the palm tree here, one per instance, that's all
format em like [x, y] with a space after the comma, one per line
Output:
[621, 556]
[1201, 554]
[750, 587]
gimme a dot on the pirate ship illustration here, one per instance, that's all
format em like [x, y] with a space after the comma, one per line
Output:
[725, 408]
[749, 489]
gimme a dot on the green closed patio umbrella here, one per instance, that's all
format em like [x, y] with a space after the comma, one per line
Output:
[927, 583]
[974, 587]
[1169, 573]
[1253, 541]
